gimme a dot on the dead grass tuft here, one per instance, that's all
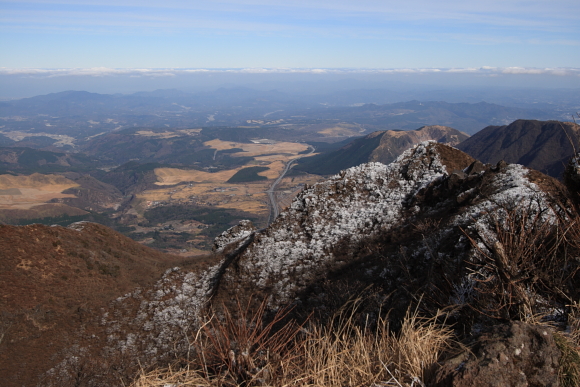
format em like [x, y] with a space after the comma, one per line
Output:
[569, 370]
[243, 347]
[527, 262]
[231, 352]
[346, 354]
[172, 377]
[574, 322]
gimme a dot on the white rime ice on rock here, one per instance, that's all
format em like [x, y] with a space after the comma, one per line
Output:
[512, 189]
[238, 233]
[166, 313]
[350, 206]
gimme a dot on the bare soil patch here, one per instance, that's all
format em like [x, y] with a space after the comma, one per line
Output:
[341, 131]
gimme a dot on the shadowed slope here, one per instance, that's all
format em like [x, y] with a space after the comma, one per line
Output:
[541, 145]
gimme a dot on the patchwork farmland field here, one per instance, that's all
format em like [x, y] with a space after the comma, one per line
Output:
[179, 209]
[25, 192]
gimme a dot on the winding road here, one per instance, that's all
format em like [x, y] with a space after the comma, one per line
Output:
[273, 205]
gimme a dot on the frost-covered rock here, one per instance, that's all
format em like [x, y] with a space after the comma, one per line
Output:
[237, 233]
[78, 226]
[300, 246]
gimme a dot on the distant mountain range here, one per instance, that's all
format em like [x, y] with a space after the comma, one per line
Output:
[81, 114]
[542, 145]
[466, 117]
[382, 146]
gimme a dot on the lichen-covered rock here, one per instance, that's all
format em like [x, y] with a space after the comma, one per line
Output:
[517, 355]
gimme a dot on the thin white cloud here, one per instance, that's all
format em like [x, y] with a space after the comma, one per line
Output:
[425, 8]
[275, 15]
[171, 72]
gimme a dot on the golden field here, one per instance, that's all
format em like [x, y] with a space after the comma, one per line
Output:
[25, 192]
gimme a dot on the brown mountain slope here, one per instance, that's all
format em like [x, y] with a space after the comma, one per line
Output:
[54, 280]
[91, 194]
[541, 145]
[395, 142]
[382, 146]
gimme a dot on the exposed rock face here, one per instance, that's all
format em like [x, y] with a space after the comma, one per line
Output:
[572, 177]
[394, 142]
[518, 354]
[238, 233]
[381, 146]
[327, 221]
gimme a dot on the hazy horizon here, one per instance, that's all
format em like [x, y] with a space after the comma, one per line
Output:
[22, 83]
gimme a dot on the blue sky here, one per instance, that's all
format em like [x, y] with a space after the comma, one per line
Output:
[289, 34]
[111, 46]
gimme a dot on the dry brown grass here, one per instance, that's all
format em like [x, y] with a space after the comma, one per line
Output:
[569, 370]
[257, 206]
[574, 322]
[247, 197]
[170, 377]
[341, 130]
[231, 352]
[36, 180]
[349, 355]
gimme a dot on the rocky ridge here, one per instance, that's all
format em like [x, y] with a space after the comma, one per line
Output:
[381, 146]
[393, 143]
